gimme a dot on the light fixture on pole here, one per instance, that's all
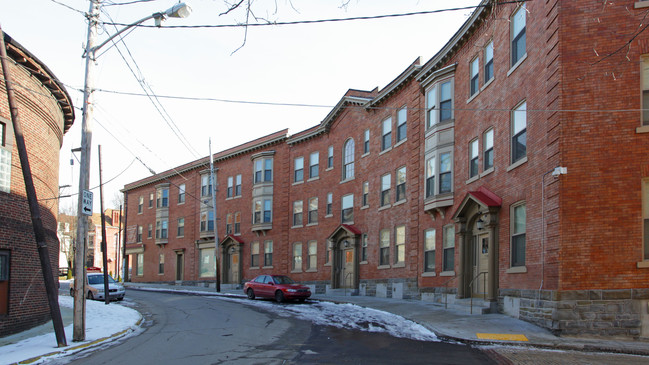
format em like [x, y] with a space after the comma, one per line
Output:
[180, 10]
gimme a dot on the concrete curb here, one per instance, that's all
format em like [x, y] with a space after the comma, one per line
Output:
[87, 345]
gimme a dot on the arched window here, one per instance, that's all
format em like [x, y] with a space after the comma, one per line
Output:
[348, 159]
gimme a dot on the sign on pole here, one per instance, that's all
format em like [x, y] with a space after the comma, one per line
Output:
[86, 202]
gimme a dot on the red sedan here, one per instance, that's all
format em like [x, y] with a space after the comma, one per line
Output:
[280, 287]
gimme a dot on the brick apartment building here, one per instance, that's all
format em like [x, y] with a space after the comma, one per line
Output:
[513, 167]
[46, 114]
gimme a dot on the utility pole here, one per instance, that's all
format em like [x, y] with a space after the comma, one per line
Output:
[79, 316]
[216, 235]
[32, 199]
[104, 249]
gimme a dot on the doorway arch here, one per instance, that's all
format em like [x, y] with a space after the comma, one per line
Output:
[344, 244]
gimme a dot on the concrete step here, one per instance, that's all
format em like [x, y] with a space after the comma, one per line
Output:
[342, 292]
[476, 306]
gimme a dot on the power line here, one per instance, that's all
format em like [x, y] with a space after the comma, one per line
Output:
[69, 7]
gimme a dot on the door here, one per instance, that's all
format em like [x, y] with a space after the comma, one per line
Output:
[180, 265]
[481, 265]
[347, 272]
[234, 268]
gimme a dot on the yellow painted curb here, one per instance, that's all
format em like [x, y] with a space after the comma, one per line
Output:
[501, 337]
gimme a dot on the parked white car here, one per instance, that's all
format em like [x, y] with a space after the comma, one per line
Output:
[95, 287]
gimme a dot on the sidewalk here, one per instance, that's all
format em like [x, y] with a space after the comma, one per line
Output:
[485, 329]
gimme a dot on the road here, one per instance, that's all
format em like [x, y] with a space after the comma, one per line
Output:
[186, 329]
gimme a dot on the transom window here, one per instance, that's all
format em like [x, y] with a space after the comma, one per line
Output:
[386, 141]
[348, 160]
[518, 34]
[473, 158]
[488, 146]
[519, 132]
[474, 83]
[402, 125]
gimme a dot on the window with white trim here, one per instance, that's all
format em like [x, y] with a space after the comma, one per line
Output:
[181, 193]
[645, 219]
[518, 229]
[230, 191]
[206, 185]
[401, 184]
[298, 169]
[150, 231]
[489, 62]
[386, 139]
[474, 82]
[445, 173]
[364, 248]
[430, 177]
[429, 250]
[347, 209]
[384, 247]
[161, 264]
[314, 163]
[402, 125]
[229, 221]
[139, 234]
[237, 185]
[313, 210]
[330, 198]
[254, 254]
[488, 147]
[473, 158]
[366, 141]
[519, 132]
[5, 159]
[237, 223]
[297, 213]
[439, 103]
[180, 231]
[366, 193]
[262, 211]
[386, 182]
[207, 221]
[161, 229]
[263, 170]
[400, 244]
[518, 47]
[348, 159]
[330, 157]
[140, 204]
[268, 253]
[297, 257]
[449, 248]
[312, 252]
[644, 84]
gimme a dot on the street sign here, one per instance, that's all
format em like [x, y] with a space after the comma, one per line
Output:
[86, 202]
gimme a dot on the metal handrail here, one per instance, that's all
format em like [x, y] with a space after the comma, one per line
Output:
[446, 291]
[345, 280]
[484, 294]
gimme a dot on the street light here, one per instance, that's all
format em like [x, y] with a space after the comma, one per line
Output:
[180, 10]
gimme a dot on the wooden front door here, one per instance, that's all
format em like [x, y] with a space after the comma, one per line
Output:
[347, 272]
[180, 266]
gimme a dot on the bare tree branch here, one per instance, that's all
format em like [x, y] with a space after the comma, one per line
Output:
[233, 7]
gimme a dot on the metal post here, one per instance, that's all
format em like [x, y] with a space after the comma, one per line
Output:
[79, 318]
[117, 244]
[30, 190]
[104, 248]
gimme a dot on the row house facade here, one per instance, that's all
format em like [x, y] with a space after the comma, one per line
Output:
[513, 166]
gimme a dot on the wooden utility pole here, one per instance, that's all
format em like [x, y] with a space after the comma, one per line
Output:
[32, 199]
[104, 249]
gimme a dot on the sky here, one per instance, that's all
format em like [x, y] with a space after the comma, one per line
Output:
[312, 65]
[104, 321]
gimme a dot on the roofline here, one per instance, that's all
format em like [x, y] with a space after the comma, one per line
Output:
[396, 84]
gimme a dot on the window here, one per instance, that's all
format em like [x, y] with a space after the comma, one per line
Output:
[401, 184]
[314, 163]
[488, 146]
[267, 211]
[139, 270]
[263, 170]
[364, 248]
[181, 193]
[474, 83]
[254, 254]
[229, 219]
[439, 103]
[384, 247]
[518, 235]
[430, 177]
[400, 244]
[297, 257]
[5, 160]
[313, 210]
[518, 35]
[268, 170]
[386, 140]
[163, 198]
[386, 181]
[297, 213]
[402, 126]
[330, 157]
[161, 264]
[257, 212]
[449, 248]
[181, 227]
[207, 263]
[237, 185]
[644, 71]
[645, 218]
[366, 141]
[366, 193]
[330, 198]
[445, 176]
[161, 229]
[4, 281]
[489, 62]
[230, 190]
[268, 253]
[151, 200]
[473, 158]
[206, 185]
[429, 250]
[298, 171]
[348, 160]
[262, 212]
[150, 231]
[259, 171]
[312, 251]
[347, 211]
[140, 204]
[139, 234]
[237, 223]
[207, 221]
[519, 132]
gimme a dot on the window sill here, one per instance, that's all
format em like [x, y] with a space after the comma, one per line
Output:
[329, 216]
[347, 180]
[487, 172]
[385, 151]
[298, 226]
[517, 270]
[314, 178]
[514, 67]
[365, 154]
[182, 203]
[328, 264]
[399, 265]
[180, 236]
[365, 207]
[388, 206]
[470, 99]
[254, 268]
[402, 201]
[643, 265]
[363, 263]
[312, 224]
[447, 273]
[428, 274]
[487, 83]
[400, 142]
[517, 164]
[329, 168]
[473, 179]
[644, 128]
[267, 267]
[641, 4]
[298, 182]
[296, 271]
[311, 270]
[383, 267]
